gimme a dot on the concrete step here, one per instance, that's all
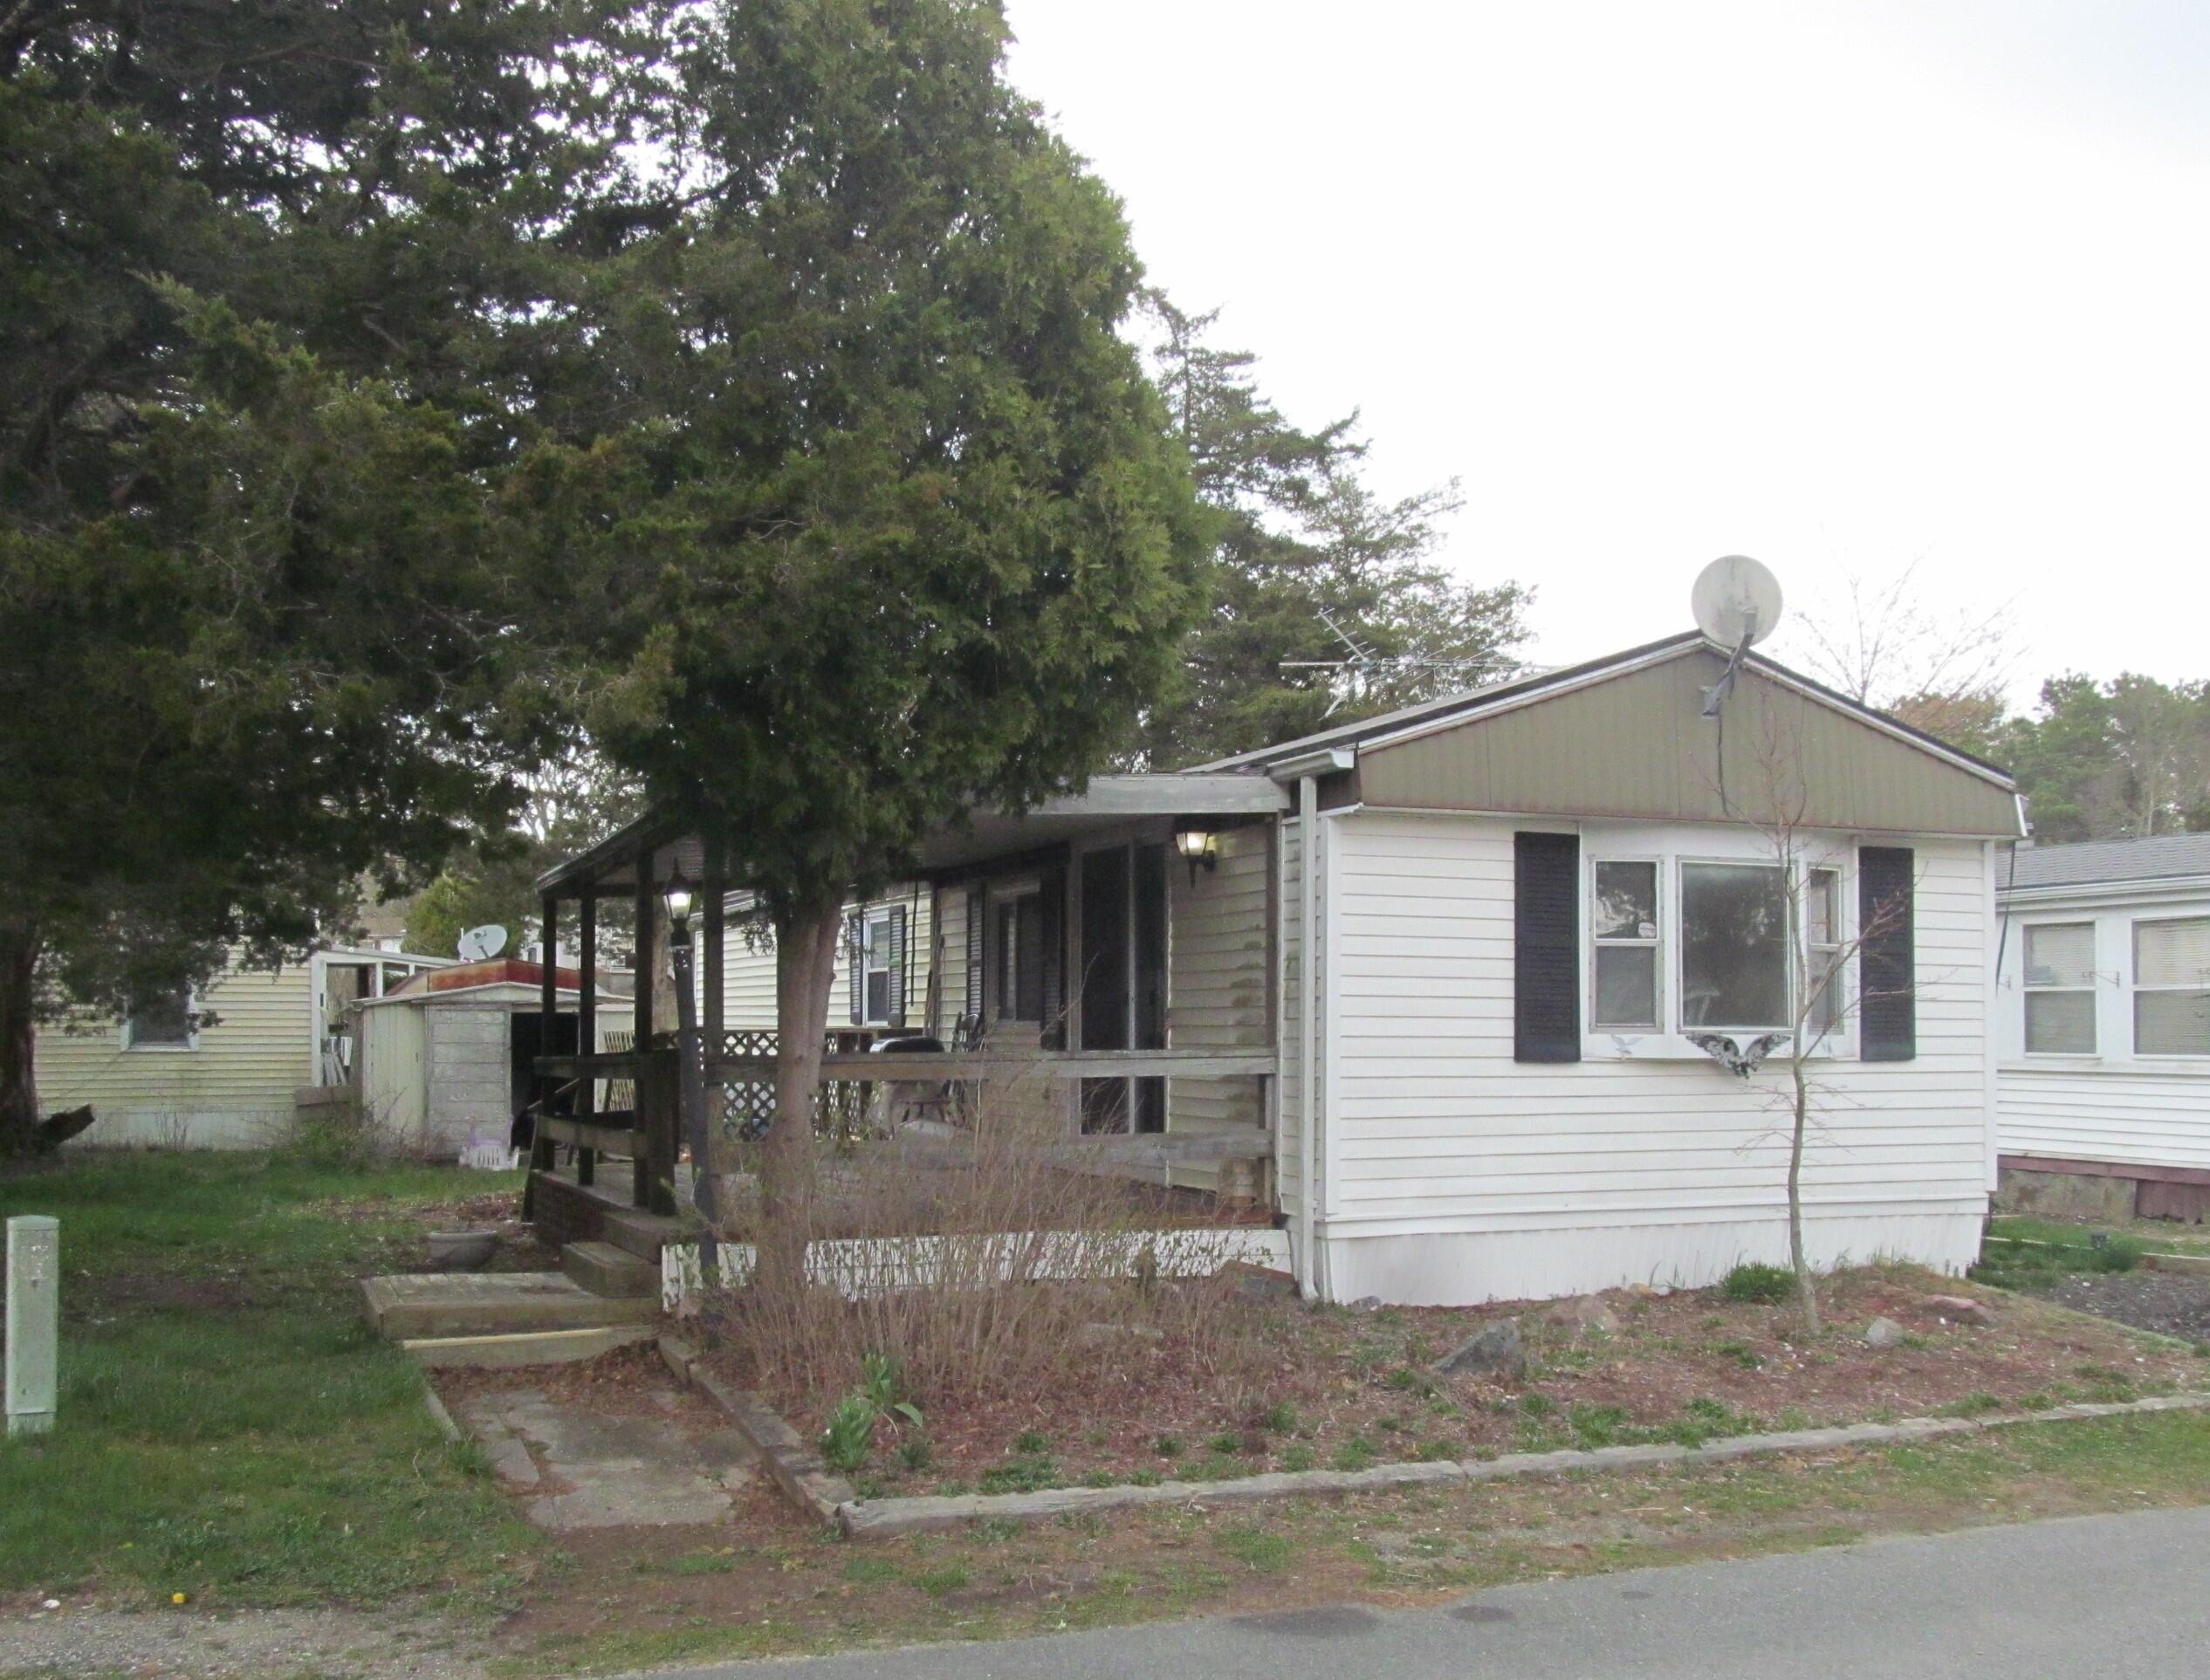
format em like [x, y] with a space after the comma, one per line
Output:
[605, 1270]
[410, 1306]
[527, 1347]
[642, 1234]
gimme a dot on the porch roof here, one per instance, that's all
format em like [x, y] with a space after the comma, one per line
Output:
[1107, 801]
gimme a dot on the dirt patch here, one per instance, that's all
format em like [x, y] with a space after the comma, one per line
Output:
[631, 1381]
[2169, 1303]
[1300, 1386]
[500, 1211]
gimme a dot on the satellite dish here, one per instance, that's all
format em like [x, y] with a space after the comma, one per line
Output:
[479, 943]
[1736, 602]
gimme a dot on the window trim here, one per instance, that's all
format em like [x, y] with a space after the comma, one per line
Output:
[132, 1044]
[2134, 989]
[1656, 944]
[2027, 989]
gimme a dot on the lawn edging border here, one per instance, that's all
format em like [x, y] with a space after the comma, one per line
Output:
[790, 1461]
[799, 1470]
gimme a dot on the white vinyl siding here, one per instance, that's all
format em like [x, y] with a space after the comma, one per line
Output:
[2124, 1105]
[1464, 1175]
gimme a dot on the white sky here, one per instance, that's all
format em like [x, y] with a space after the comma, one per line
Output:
[1834, 286]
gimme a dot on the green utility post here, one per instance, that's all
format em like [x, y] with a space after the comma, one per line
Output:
[34, 1320]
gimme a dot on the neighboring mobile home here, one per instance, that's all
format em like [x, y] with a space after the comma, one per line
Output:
[219, 1068]
[1433, 985]
[2103, 1028]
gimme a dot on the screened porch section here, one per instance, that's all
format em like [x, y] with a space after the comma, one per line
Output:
[1111, 957]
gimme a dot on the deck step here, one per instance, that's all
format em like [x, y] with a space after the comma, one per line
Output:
[610, 1271]
[411, 1307]
[642, 1234]
[525, 1348]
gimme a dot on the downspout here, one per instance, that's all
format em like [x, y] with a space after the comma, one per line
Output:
[1306, 770]
[1308, 1078]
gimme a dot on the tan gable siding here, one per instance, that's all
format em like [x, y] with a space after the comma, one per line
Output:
[1635, 745]
[233, 1088]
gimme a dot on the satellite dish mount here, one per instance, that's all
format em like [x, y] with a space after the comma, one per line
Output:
[1737, 602]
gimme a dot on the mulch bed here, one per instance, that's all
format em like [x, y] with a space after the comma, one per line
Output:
[1292, 1387]
[2169, 1303]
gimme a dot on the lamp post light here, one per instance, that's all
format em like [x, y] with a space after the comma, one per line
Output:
[691, 1068]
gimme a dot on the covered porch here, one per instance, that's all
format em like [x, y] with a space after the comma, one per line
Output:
[1112, 956]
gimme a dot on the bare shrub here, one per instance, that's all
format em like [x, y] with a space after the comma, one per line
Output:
[987, 1264]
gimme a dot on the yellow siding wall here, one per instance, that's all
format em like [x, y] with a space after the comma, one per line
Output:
[233, 1088]
[1218, 982]
[748, 969]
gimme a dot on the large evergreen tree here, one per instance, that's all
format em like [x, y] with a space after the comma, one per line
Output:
[1306, 561]
[894, 524]
[280, 292]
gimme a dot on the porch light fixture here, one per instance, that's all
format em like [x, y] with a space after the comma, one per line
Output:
[679, 895]
[1198, 845]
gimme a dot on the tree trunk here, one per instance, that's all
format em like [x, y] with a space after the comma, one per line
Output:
[19, 1076]
[805, 970]
[1806, 1293]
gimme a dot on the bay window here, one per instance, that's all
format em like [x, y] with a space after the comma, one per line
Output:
[2060, 989]
[2171, 987]
[1679, 944]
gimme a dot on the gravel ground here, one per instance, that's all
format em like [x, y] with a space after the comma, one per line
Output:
[391, 1645]
[2172, 1303]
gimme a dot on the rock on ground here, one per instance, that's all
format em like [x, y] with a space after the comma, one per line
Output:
[1884, 1333]
[1495, 1349]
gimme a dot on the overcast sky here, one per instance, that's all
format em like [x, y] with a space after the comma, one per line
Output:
[1833, 286]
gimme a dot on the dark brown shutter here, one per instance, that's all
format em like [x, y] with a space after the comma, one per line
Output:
[855, 963]
[1546, 948]
[977, 910]
[1050, 906]
[1887, 968]
[898, 966]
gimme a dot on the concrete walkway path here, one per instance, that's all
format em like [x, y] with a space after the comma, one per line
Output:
[576, 1468]
[2093, 1598]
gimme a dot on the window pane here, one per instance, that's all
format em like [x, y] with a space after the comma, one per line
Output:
[1626, 900]
[1820, 921]
[2171, 1023]
[2061, 955]
[163, 1019]
[878, 995]
[1626, 985]
[1733, 945]
[878, 943]
[2061, 1023]
[2171, 953]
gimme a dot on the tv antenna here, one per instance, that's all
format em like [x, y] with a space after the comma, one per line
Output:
[1362, 663]
[480, 944]
[1737, 602]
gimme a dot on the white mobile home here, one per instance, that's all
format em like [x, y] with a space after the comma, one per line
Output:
[2103, 1028]
[1448, 983]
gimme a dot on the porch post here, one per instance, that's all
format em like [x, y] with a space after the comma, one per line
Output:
[586, 1021]
[716, 888]
[642, 988]
[539, 1088]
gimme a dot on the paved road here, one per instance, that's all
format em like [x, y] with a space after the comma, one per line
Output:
[2080, 1599]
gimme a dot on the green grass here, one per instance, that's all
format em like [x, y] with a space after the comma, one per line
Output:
[228, 1427]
